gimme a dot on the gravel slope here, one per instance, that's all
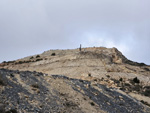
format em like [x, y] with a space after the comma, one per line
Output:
[34, 92]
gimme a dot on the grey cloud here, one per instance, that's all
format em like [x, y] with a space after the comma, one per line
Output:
[31, 27]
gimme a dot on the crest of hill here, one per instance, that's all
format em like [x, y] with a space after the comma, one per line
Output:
[97, 61]
[113, 55]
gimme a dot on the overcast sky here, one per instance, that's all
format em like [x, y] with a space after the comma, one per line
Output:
[29, 27]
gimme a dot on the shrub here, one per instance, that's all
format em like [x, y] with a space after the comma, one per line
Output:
[146, 69]
[39, 59]
[121, 79]
[20, 62]
[4, 62]
[136, 80]
[31, 57]
[35, 85]
[37, 56]
[108, 76]
[142, 64]
[53, 54]
[89, 74]
[10, 62]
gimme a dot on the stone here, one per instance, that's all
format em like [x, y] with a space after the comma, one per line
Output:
[2, 108]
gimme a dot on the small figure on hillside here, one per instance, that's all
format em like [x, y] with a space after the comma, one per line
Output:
[80, 48]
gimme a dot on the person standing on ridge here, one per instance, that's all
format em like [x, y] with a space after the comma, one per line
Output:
[80, 47]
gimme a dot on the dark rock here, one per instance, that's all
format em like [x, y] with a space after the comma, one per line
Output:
[11, 75]
[147, 92]
[136, 80]
[81, 80]
[2, 108]
[146, 69]
[3, 80]
[146, 103]
[127, 84]
[69, 104]
[12, 111]
[92, 104]
[146, 87]
[122, 88]
[137, 88]
[20, 98]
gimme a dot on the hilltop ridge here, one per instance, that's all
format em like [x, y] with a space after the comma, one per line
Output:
[95, 60]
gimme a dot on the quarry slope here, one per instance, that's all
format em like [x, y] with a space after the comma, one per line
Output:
[96, 61]
[33, 92]
[93, 74]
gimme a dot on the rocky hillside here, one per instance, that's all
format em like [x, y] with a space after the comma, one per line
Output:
[33, 92]
[91, 80]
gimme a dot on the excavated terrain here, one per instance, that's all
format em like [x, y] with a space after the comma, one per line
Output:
[93, 80]
[33, 92]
